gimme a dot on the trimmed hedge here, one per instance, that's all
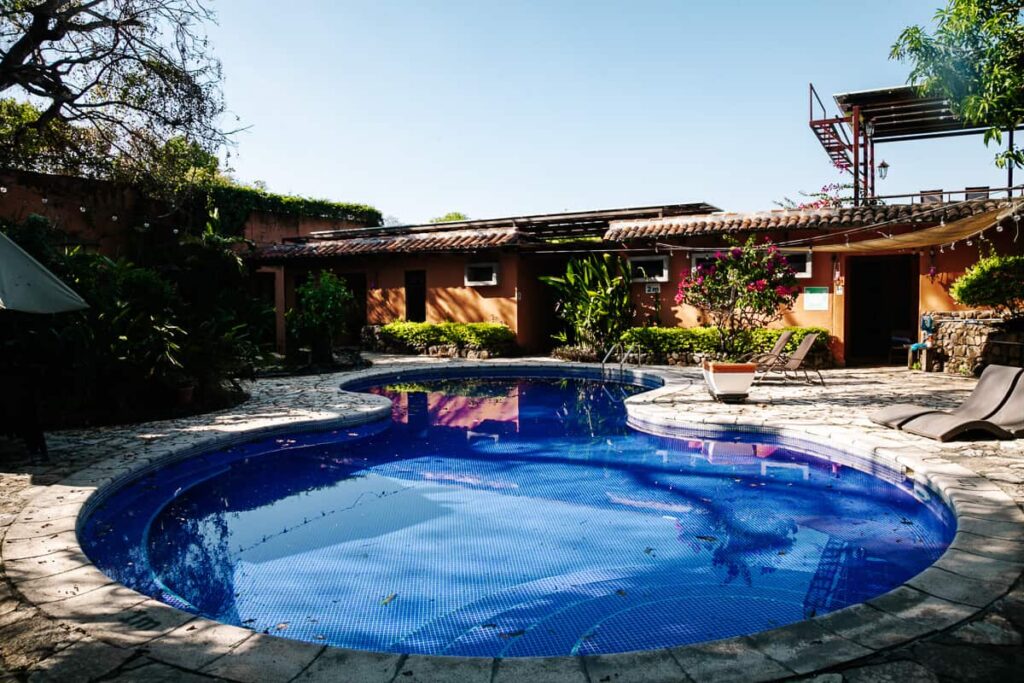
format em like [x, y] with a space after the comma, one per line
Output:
[661, 342]
[495, 338]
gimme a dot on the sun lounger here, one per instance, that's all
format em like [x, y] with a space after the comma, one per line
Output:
[766, 359]
[996, 383]
[1006, 422]
[789, 366]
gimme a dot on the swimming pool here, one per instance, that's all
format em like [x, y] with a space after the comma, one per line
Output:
[513, 517]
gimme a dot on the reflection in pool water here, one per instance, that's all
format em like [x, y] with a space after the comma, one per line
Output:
[513, 518]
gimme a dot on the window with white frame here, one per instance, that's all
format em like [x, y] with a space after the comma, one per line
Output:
[648, 269]
[799, 261]
[481, 274]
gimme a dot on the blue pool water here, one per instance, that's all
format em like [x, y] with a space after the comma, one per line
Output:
[513, 517]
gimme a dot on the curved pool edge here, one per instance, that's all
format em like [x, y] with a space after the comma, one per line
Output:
[42, 558]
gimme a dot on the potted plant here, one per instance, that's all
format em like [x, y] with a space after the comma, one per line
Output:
[740, 289]
[324, 309]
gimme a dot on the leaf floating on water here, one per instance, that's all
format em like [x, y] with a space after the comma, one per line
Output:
[387, 600]
[248, 621]
[512, 634]
[489, 626]
[904, 520]
[648, 550]
[621, 593]
[709, 539]
[282, 626]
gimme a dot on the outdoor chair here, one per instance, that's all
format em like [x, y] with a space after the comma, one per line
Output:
[995, 407]
[789, 366]
[765, 359]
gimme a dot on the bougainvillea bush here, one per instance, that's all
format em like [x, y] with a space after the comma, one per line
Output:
[740, 289]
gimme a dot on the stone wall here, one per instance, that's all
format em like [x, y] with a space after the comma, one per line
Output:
[967, 341]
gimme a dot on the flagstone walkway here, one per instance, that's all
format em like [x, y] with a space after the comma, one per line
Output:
[36, 646]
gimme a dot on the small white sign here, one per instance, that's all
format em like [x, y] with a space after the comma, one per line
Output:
[654, 288]
[815, 298]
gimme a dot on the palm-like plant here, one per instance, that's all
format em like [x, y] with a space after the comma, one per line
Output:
[594, 301]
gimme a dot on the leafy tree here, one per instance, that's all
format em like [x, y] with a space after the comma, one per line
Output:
[129, 74]
[450, 216]
[742, 288]
[594, 301]
[993, 282]
[975, 60]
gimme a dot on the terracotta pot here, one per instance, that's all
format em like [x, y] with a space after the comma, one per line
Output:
[729, 382]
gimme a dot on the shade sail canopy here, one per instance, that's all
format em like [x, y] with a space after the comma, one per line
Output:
[928, 237]
[25, 285]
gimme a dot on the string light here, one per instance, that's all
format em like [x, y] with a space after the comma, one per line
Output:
[113, 218]
[46, 200]
[952, 247]
[3, 190]
[81, 209]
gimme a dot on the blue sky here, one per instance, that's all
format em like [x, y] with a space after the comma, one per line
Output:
[502, 108]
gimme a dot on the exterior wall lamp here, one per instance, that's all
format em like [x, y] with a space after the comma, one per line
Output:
[883, 169]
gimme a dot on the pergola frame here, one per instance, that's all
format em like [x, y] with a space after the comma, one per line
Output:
[896, 114]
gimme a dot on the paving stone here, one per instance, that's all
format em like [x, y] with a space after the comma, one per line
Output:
[196, 643]
[83, 661]
[336, 664]
[979, 567]
[894, 672]
[65, 585]
[47, 565]
[991, 630]
[27, 642]
[540, 670]
[957, 588]
[634, 667]
[991, 528]
[996, 548]
[872, 627]
[911, 604]
[149, 671]
[19, 548]
[264, 659]
[805, 647]
[28, 529]
[966, 663]
[734, 659]
[421, 669]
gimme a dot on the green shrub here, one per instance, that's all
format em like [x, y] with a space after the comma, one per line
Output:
[418, 337]
[993, 282]
[663, 341]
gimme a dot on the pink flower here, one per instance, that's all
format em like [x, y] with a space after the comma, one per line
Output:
[736, 252]
[783, 291]
[757, 285]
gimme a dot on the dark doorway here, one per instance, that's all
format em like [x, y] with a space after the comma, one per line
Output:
[416, 296]
[881, 308]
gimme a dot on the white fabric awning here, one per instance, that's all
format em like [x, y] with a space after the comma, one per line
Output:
[25, 285]
[928, 237]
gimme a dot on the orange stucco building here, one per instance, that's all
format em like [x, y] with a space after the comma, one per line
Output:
[478, 271]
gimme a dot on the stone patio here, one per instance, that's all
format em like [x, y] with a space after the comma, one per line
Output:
[963, 619]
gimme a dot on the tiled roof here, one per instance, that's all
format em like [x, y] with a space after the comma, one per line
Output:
[791, 219]
[422, 242]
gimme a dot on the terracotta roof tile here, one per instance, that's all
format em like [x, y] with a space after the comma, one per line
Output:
[440, 241]
[792, 219]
